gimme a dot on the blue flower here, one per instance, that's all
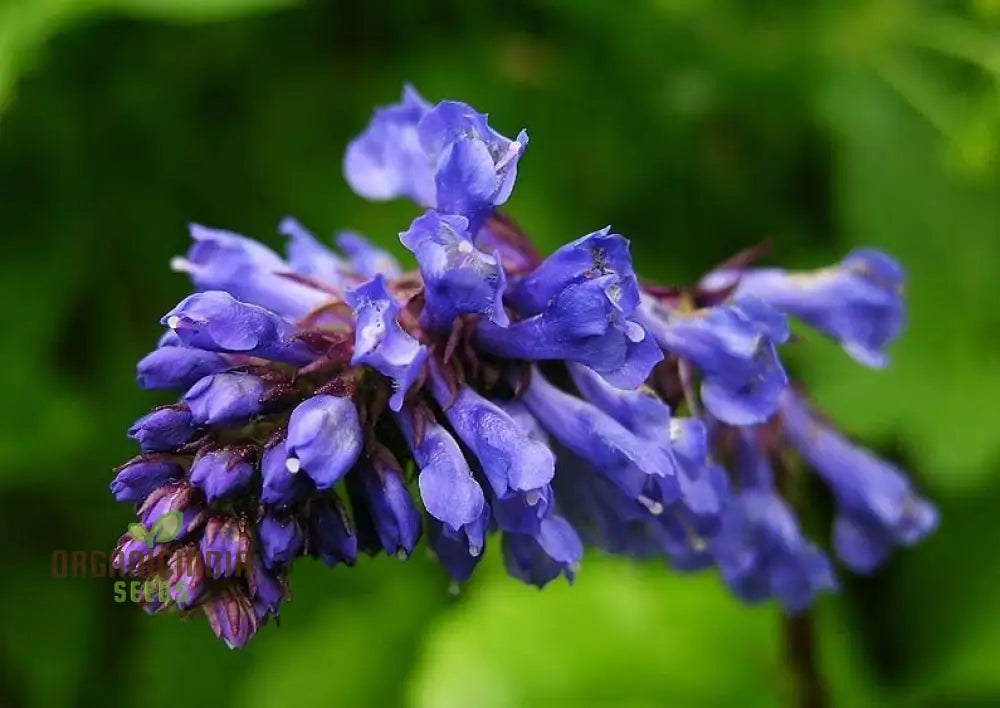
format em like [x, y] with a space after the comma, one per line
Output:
[733, 347]
[760, 549]
[178, 367]
[336, 365]
[281, 486]
[380, 342]
[637, 466]
[367, 260]
[309, 257]
[324, 439]
[379, 495]
[683, 439]
[511, 462]
[225, 398]
[460, 551]
[449, 491]
[222, 473]
[579, 304]
[582, 324]
[387, 159]
[459, 279]
[538, 559]
[141, 476]
[216, 321]
[165, 428]
[281, 539]
[475, 166]
[246, 269]
[877, 507]
[331, 534]
[858, 302]
[595, 255]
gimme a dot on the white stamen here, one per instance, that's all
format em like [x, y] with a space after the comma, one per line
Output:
[698, 544]
[474, 550]
[402, 554]
[465, 246]
[454, 588]
[532, 496]
[173, 322]
[512, 150]
[179, 264]
[655, 507]
[293, 465]
[675, 430]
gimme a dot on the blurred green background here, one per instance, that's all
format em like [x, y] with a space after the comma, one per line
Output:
[695, 127]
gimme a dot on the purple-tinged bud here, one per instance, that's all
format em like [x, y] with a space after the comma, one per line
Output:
[163, 429]
[387, 160]
[858, 302]
[449, 491]
[511, 461]
[367, 259]
[331, 534]
[140, 476]
[188, 580]
[281, 486]
[379, 489]
[475, 166]
[253, 273]
[625, 459]
[178, 367]
[222, 472]
[877, 507]
[309, 257]
[733, 346]
[324, 439]
[459, 279]
[134, 557]
[585, 323]
[226, 546]
[216, 321]
[380, 342]
[232, 617]
[267, 591]
[222, 399]
[538, 559]
[176, 496]
[281, 539]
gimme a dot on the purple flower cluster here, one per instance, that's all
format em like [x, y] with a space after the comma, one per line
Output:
[552, 402]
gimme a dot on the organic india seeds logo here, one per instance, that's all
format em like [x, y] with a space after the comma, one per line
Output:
[160, 573]
[163, 530]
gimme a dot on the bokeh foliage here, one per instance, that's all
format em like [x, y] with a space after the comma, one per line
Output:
[694, 127]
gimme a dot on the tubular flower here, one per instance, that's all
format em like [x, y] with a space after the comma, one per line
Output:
[551, 402]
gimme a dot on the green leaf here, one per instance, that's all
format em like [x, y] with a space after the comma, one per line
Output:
[139, 533]
[166, 527]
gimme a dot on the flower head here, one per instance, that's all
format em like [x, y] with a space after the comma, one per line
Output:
[490, 392]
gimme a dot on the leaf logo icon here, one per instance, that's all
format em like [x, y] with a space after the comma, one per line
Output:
[139, 533]
[166, 528]
[163, 530]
